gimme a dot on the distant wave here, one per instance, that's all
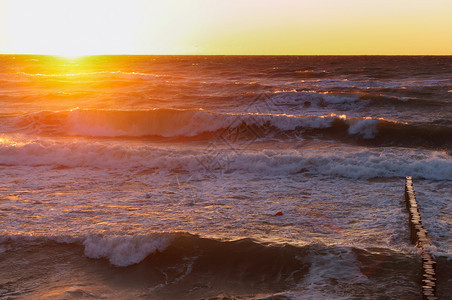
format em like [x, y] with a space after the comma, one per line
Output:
[379, 84]
[346, 99]
[307, 73]
[201, 124]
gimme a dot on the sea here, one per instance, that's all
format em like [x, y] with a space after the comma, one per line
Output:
[222, 177]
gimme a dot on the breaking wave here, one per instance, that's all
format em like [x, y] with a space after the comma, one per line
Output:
[177, 264]
[344, 161]
[202, 124]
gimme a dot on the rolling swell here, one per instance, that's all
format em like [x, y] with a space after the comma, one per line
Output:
[204, 125]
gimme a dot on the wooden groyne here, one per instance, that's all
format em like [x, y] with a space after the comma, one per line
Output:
[418, 237]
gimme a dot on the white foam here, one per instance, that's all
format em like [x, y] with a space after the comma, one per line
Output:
[367, 128]
[340, 264]
[348, 163]
[351, 162]
[123, 251]
[295, 97]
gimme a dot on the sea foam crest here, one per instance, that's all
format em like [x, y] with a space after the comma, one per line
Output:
[123, 251]
[367, 128]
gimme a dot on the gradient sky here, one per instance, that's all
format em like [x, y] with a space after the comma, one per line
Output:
[78, 27]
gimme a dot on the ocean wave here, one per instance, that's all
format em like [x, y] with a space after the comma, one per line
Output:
[125, 250]
[183, 265]
[345, 100]
[312, 98]
[372, 83]
[202, 124]
[344, 161]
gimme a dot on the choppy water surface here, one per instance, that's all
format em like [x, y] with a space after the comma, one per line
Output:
[160, 176]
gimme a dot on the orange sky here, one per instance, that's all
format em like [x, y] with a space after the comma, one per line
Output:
[80, 27]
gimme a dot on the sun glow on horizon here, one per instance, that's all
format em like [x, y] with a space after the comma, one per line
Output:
[76, 28]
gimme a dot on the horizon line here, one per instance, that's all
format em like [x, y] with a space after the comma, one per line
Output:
[147, 54]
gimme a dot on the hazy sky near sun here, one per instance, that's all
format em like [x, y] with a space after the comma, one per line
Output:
[76, 27]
